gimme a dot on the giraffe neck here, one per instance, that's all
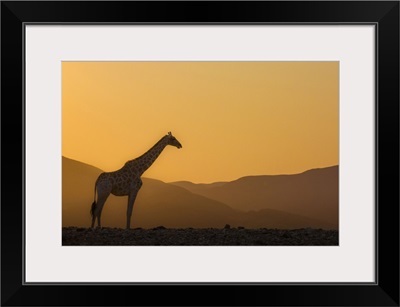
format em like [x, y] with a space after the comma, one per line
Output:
[143, 162]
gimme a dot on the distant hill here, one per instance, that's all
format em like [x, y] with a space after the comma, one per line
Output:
[157, 203]
[160, 203]
[313, 194]
[77, 191]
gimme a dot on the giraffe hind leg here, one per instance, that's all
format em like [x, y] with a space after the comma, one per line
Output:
[92, 210]
[98, 208]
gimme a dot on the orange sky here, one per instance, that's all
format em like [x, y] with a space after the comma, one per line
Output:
[233, 118]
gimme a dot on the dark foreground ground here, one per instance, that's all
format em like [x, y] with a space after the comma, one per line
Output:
[190, 237]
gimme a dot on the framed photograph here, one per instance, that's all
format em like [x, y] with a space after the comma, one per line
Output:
[217, 193]
[239, 146]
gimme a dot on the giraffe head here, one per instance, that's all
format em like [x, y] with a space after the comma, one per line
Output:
[173, 141]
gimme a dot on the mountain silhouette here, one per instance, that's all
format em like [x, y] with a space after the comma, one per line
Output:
[170, 205]
[313, 194]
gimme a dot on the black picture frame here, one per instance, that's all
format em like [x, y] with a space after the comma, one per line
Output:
[383, 14]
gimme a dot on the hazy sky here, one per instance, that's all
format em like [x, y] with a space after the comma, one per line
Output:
[233, 118]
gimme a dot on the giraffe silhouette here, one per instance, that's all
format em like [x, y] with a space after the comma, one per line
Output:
[126, 181]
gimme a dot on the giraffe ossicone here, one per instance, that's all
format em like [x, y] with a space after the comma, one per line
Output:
[126, 181]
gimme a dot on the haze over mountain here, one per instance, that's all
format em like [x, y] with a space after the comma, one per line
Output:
[175, 205]
[314, 193]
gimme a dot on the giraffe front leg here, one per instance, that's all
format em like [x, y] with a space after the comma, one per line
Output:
[131, 201]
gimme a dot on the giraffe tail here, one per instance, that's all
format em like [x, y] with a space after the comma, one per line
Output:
[94, 203]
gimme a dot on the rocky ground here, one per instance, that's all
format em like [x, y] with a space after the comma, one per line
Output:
[189, 237]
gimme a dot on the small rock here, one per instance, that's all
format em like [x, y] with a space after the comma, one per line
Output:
[227, 226]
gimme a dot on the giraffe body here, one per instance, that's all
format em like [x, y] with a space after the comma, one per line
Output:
[126, 181]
